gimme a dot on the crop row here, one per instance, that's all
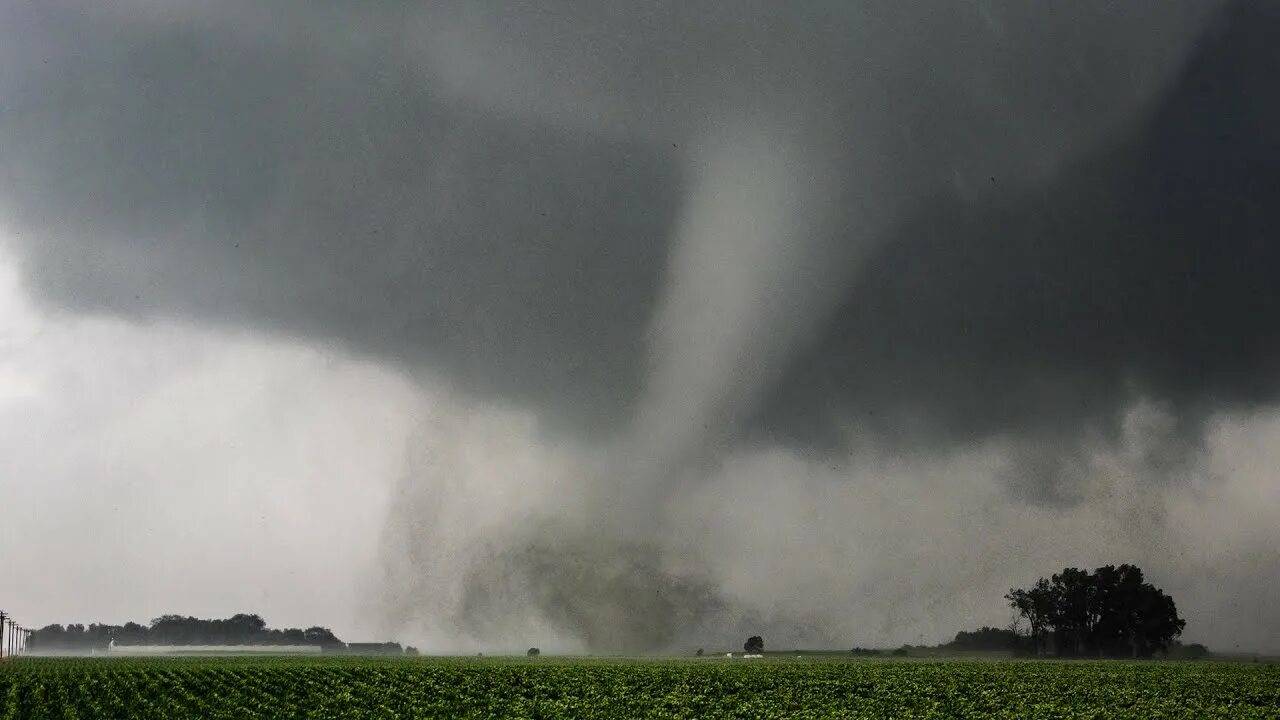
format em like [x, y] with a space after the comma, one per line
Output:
[343, 688]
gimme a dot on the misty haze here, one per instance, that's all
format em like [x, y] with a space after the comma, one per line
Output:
[603, 327]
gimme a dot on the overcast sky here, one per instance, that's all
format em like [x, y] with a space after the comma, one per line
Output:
[470, 326]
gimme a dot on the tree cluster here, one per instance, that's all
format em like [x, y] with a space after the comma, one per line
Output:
[241, 629]
[379, 648]
[990, 639]
[1111, 612]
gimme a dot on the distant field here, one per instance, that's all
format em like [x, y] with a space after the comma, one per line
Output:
[353, 687]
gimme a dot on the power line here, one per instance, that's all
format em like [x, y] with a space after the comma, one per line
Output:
[14, 638]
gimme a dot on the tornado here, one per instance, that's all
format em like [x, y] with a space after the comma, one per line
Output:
[799, 140]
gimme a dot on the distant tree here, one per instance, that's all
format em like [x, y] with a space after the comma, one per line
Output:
[99, 635]
[1074, 614]
[1112, 612]
[1194, 651]
[754, 645]
[699, 653]
[900, 652]
[131, 634]
[171, 630]
[251, 623]
[47, 638]
[988, 638]
[242, 629]
[1156, 622]
[1037, 605]
[534, 652]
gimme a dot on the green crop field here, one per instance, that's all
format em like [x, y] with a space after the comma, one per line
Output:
[352, 687]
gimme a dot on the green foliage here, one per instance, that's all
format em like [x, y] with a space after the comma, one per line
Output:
[368, 687]
[989, 638]
[239, 629]
[1112, 612]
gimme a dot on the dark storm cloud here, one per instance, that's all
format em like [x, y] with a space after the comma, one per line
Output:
[324, 190]
[312, 181]
[327, 193]
[1145, 269]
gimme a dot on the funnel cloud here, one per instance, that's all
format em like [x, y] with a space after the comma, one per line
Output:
[721, 318]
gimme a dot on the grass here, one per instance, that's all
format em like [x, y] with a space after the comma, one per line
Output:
[776, 687]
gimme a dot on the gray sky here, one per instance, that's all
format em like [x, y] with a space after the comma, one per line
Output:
[469, 325]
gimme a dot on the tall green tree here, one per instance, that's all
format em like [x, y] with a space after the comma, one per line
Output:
[1111, 612]
[1037, 606]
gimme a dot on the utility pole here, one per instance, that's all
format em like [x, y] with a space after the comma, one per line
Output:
[3, 619]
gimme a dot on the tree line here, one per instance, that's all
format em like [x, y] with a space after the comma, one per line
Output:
[239, 629]
[1111, 612]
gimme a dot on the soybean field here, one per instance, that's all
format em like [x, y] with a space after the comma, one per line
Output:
[356, 687]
